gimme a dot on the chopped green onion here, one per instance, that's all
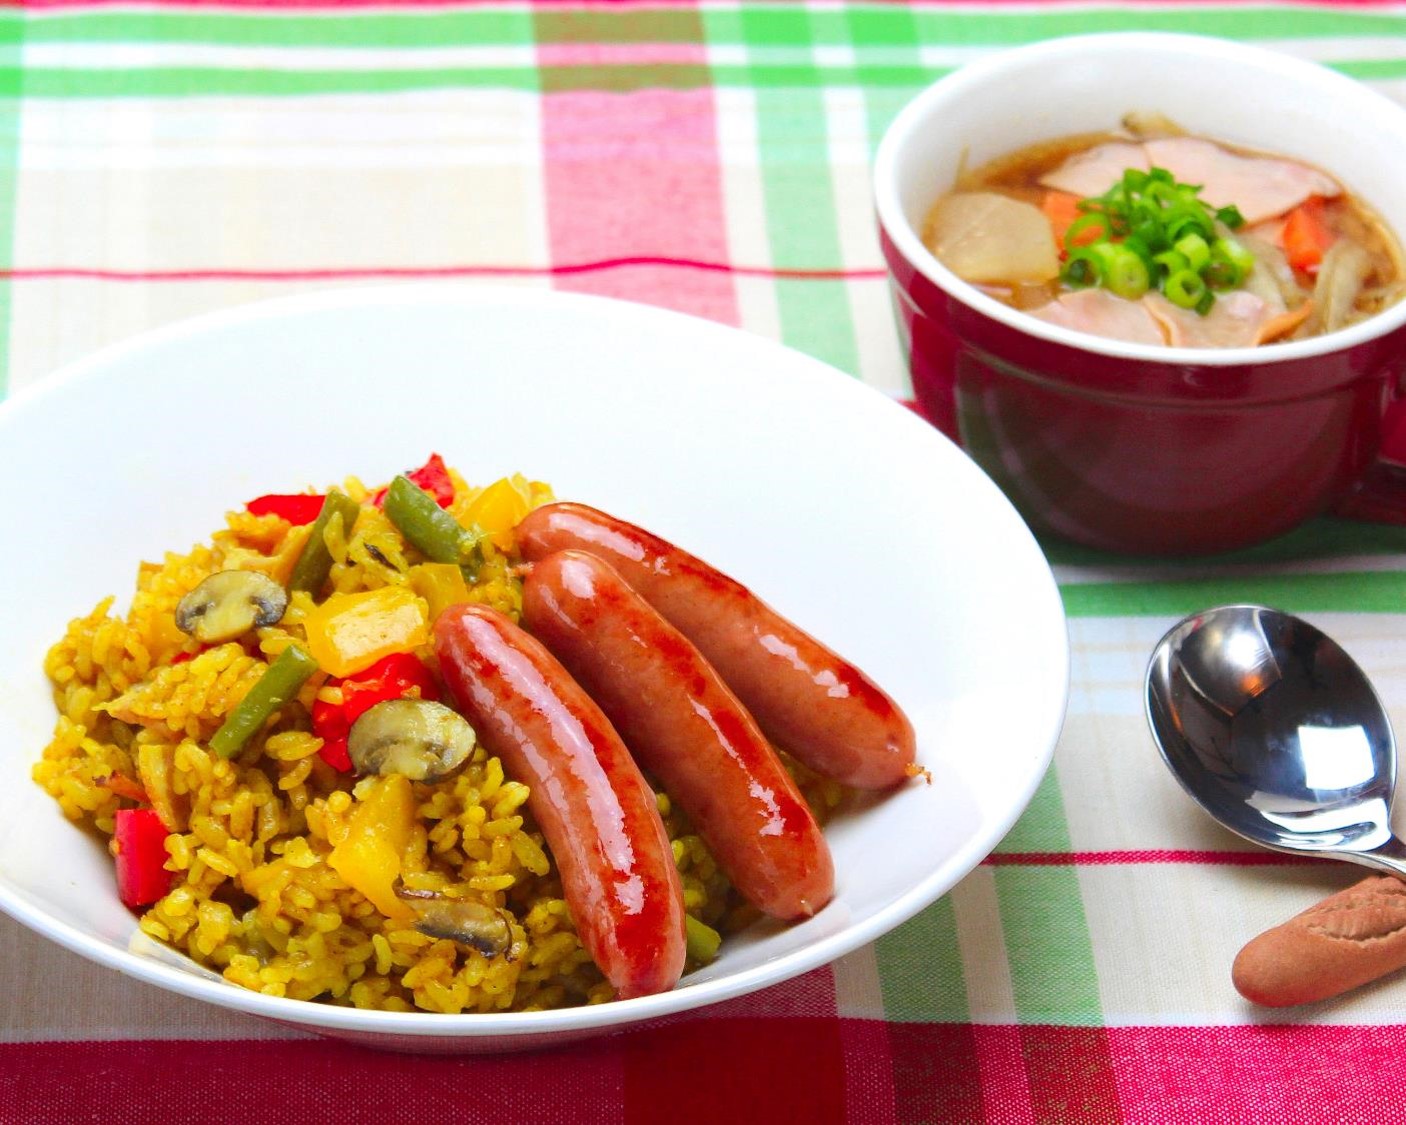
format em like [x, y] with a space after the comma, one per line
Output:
[1135, 179]
[1221, 274]
[1147, 231]
[1234, 251]
[1184, 288]
[1172, 261]
[1184, 226]
[1124, 273]
[1231, 217]
[1196, 251]
[1139, 246]
[1085, 223]
[1082, 271]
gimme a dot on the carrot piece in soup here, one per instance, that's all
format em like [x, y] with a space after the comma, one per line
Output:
[1062, 209]
[1306, 237]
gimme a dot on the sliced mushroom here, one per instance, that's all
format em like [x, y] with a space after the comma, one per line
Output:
[424, 741]
[484, 928]
[228, 604]
[1148, 125]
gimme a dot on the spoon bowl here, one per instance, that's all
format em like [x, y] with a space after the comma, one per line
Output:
[1277, 733]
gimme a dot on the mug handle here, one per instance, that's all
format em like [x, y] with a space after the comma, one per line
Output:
[1380, 495]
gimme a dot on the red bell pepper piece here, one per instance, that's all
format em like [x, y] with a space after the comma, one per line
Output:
[297, 509]
[390, 678]
[139, 845]
[433, 477]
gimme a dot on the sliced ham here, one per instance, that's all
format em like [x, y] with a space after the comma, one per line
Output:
[1236, 320]
[1260, 186]
[1095, 170]
[1099, 313]
[1281, 325]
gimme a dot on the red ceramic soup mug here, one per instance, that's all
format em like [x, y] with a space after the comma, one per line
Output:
[1135, 447]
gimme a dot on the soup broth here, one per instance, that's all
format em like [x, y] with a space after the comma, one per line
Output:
[1151, 235]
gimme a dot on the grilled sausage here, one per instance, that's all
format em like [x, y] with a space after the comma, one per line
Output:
[808, 700]
[594, 808]
[685, 727]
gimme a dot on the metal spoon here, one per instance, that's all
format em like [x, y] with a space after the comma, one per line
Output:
[1275, 732]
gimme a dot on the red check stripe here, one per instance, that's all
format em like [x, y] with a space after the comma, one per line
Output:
[360, 273]
[594, 156]
[352, 5]
[1256, 858]
[706, 1070]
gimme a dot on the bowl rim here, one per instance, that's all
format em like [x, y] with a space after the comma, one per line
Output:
[960, 83]
[318, 1017]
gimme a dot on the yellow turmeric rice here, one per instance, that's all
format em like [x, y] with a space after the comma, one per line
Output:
[254, 891]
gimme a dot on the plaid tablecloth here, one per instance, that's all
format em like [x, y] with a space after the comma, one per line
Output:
[162, 159]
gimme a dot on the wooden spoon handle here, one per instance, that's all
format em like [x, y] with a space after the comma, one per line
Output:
[1348, 939]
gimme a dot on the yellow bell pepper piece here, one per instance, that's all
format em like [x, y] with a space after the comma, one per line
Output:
[369, 859]
[440, 584]
[497, 510]
[349, 632]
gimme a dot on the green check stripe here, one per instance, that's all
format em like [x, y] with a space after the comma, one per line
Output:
[782, 45]
[187, 81]
[1323, 538]
[1265, 574]
[1043, 920]
[1363, 592]
[192, 81]
[801, 223]
[920, 968]
[9, 175]
[780, 24]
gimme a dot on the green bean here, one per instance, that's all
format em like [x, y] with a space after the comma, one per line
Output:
[700, 940]
[315, 562]
[279, 683]
[418, 516]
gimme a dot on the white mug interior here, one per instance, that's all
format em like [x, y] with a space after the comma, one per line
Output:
[1246, 96]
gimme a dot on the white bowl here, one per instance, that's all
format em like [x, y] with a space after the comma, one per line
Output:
[847, 512]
